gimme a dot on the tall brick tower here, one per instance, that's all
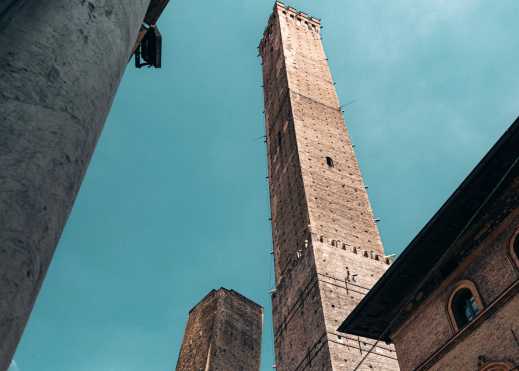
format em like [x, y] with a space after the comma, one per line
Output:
[223, 333]
[327, 248]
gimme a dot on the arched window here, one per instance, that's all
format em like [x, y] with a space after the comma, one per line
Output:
[329, 162]
[464, 305]
[497, 367]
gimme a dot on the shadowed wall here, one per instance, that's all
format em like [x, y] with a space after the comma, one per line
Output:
[61, 64]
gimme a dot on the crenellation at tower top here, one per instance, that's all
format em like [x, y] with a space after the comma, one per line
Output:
[286, 8]
[303, 18]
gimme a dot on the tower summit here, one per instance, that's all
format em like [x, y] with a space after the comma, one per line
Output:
[327, 249]
[223, 333]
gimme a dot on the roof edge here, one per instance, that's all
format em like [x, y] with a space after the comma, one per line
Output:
[348, 325]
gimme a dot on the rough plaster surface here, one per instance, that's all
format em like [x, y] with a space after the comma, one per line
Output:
[327, 248]
[61, 64]
[223, 333]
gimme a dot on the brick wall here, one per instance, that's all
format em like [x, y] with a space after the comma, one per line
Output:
[494, 336]
[327, 248]
[223, 333]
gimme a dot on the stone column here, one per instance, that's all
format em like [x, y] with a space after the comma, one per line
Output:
[60, 65]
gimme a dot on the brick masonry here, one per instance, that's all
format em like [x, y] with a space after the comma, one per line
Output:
[327, 249]
[493, 337]
[223, 333]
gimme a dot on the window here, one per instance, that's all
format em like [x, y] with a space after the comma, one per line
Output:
[515, 248]
[497, 367]
[329, 162]
[464, 305]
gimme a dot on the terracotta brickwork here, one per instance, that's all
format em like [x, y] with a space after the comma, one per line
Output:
[223, 333]
[494, 335]
[327, 248]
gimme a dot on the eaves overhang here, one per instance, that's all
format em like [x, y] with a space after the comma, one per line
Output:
[433, 253]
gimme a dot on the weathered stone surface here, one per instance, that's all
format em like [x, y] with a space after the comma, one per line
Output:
[223, 333]
[61, 64]
[327, 248]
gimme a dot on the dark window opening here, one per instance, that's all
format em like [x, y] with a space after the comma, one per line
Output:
[516, 247]
[280, 140]
[464, 307]
[329, 162]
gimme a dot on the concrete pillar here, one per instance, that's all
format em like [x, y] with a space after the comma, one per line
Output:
[60, 65]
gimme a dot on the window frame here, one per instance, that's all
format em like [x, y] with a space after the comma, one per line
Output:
[497, 366]
[514, 254]
[464, 285]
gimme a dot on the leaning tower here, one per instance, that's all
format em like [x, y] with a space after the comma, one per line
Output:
[223, 332]
[327, 249]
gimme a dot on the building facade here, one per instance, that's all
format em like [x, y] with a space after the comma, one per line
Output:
[454, 290]
[223, 333]
[327, 249]
[58, 79]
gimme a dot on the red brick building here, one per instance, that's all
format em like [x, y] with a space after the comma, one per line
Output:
[450, 301]
[327, 249]
[223, 333]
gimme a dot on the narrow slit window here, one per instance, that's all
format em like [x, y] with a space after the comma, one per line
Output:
[516, 247]
[329, 162]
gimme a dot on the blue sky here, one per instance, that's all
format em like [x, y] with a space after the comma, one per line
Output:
[175, 201]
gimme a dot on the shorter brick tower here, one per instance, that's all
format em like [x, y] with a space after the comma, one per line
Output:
[223, 333]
